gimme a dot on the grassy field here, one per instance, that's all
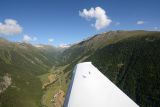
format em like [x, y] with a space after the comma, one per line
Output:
[53, 88]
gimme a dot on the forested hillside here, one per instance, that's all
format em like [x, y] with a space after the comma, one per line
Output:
[132, 63]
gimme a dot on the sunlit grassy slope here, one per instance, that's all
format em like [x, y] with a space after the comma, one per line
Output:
[23, 62]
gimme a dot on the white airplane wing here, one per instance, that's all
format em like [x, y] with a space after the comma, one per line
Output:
[90, 88]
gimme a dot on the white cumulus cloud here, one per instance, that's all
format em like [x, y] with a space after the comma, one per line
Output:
[140, 22]
[27, 39]
[50, 40]
[99, 14]
[10, 27]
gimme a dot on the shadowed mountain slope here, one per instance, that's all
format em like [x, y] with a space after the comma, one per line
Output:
[132, 63]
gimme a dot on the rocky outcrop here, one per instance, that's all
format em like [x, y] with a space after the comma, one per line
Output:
[5, 82]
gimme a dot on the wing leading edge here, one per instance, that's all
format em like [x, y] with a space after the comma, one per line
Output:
[90, 88]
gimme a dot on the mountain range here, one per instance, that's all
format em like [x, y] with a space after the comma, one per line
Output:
[130, 59]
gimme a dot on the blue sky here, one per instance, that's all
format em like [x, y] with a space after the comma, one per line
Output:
[60, 19]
